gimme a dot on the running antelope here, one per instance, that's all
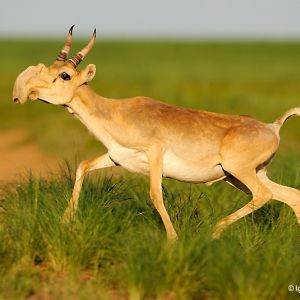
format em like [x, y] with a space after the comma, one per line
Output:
[161, 140]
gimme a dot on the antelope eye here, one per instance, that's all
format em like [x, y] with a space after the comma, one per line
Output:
[65, 76]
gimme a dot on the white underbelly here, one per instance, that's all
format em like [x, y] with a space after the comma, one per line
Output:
[203, 171]
[173, 167]
[131, 159]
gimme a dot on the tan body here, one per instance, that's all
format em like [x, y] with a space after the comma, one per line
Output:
[193, 142]
[161, 140]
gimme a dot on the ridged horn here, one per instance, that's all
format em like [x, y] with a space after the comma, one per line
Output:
[63, 54]
[77, 58]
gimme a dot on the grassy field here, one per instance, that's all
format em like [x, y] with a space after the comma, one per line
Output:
[116, 246]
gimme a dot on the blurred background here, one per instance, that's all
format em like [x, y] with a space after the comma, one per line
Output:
[239, 57]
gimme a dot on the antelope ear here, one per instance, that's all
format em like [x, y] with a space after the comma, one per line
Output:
[88, 73]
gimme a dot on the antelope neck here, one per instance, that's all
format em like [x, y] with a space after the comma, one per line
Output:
[87, 103]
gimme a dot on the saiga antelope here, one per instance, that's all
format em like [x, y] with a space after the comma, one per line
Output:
[161, 140]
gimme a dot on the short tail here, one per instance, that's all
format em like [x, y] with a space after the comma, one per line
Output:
[280, 121]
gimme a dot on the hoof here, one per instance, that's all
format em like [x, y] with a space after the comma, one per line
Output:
[68, 215]
[172, 239]
[216, 235]
[217, 231]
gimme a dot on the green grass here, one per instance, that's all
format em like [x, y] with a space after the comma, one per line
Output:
[116, 246]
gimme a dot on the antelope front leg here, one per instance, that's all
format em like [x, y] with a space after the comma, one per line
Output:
[155, 165]
[84, 167]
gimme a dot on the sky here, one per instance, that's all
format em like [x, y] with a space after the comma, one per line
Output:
[199, 19]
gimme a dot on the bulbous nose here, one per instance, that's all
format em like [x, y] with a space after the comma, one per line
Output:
[21, 90]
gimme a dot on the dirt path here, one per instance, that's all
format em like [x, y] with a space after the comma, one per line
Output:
[18, 157]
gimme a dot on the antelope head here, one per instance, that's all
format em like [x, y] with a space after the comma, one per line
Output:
[57, 83]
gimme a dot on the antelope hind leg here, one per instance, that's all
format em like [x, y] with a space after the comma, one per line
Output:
[260, 195]
[285, 194]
